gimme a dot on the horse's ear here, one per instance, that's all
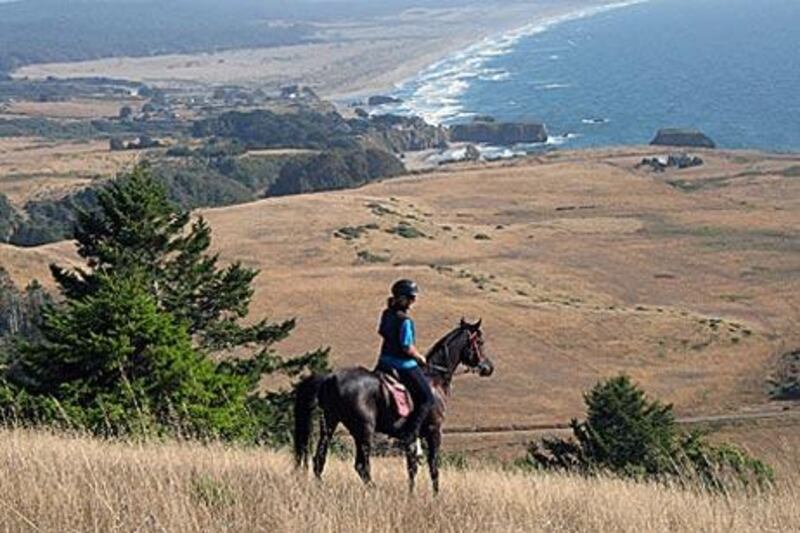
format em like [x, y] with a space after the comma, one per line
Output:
[464, 322]
[478, 324]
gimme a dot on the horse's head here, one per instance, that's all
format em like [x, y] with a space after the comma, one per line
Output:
[473, 355]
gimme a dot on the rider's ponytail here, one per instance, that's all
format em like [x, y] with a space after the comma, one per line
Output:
[399, 303]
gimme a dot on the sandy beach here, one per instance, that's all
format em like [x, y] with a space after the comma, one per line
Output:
[351, 59]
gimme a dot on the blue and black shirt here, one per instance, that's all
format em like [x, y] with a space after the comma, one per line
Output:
[398, 332]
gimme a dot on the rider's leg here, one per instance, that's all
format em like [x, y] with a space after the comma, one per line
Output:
[420, 389]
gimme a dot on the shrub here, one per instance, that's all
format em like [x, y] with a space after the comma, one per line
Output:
[406, 231]
[179, 150]
[627, 434]
[791, 172]
[333, 170]
[350, 233]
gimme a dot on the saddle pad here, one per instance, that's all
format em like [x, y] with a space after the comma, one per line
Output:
[399, 393]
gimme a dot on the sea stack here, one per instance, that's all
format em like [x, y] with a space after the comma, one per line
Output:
[683, 137]
[499, 133]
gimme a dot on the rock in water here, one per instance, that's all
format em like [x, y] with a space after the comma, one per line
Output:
[382, 100]
[499, 133]
[471, 153]
[683, 137]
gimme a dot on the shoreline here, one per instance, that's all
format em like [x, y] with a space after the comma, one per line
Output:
[378, 56]
[447, 79]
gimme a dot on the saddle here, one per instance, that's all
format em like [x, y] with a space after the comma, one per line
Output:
[398, 393]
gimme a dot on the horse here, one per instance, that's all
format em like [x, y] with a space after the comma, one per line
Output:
[357, 398]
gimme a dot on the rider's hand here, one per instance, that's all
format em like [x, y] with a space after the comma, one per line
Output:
[413, 352]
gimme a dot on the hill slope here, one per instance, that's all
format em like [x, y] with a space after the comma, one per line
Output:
[581, 265]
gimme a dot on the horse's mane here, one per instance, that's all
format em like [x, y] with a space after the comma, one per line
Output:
[440, 343]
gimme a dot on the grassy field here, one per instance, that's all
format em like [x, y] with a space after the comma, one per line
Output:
[54, 483]
[581, 265]
[34, 169]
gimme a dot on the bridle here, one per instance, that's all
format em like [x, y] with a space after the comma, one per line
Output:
[477, 353]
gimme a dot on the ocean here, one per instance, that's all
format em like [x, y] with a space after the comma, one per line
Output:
[614, 75]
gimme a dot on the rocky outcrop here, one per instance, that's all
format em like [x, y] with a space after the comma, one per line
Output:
[403, 134]
[295, 92]
[471, 153]
[499, 133]
[382, 100]
[683, 137]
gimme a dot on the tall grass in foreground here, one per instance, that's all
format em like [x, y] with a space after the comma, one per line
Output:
[56, 483]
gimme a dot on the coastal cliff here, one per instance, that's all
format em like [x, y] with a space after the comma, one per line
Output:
[398, 134]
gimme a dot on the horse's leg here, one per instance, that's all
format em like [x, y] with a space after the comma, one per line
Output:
[433, 437]
[363, 438]
[327, 425]
[412, 465]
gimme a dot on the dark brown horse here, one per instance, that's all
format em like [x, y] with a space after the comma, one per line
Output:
[356, 398]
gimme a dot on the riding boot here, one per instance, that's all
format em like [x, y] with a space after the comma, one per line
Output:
[410, 430]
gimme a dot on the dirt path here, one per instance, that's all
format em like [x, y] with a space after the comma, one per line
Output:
[790, 413]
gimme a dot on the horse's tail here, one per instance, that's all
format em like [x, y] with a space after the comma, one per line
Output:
[305, 401]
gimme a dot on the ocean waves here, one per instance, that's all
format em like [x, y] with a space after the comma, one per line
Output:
[436, 94]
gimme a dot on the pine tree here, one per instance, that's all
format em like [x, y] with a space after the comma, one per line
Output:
[113, 363]
[137, 229]
[625, 430]
[113, 342]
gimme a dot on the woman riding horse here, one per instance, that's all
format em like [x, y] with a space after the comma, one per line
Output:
[399, 355]
[357, 397]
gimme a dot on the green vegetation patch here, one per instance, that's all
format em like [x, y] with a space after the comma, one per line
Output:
[406, 231]
[786, 381]
[381, 210]
[791, 172]
[350, 233]
[335, 170]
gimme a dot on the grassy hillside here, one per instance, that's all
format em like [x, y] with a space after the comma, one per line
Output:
[581, 265]
[54, 483]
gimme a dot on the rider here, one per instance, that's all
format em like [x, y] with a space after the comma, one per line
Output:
[399, 353]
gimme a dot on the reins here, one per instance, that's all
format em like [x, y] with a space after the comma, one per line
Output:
[445, 371]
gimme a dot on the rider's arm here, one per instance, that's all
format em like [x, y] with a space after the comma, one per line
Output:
[407, 337]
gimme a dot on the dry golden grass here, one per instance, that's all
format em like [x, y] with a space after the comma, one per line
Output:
[592, 268]
[54, 484]
[81, 108]
[32, 168]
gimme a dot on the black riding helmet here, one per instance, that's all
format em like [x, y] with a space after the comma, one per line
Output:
[405, 287]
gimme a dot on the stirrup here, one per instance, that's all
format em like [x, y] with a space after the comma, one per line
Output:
[414, 446]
